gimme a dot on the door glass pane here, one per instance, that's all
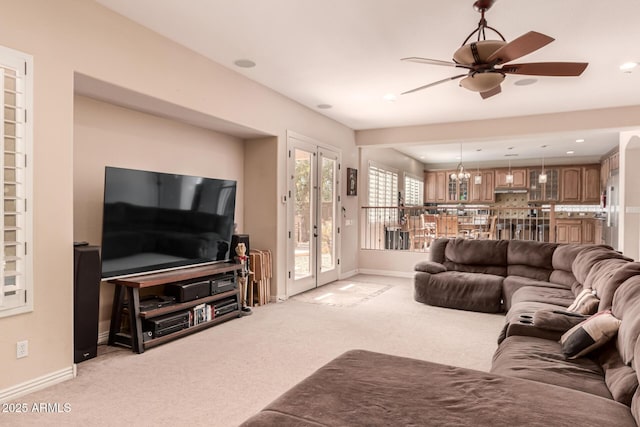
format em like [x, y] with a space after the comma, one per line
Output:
[303, 220]
[327, 214]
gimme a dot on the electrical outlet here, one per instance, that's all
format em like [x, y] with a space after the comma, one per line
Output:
[22, 349]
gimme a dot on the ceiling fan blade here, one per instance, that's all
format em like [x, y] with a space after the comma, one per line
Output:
[433, 84]
[496, 90]
[521, 46]
[570, 69]
[428, 61]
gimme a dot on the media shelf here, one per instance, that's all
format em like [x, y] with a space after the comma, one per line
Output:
[126, 305]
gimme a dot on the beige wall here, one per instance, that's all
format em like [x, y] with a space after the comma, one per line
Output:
[107, 135]
[629, 199]
[69, 36]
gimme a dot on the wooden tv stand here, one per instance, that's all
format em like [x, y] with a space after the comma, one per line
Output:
[133, 338]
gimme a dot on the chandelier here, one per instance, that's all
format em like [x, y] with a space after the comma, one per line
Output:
[460, 174]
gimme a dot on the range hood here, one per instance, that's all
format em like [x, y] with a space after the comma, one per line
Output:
[506, 190]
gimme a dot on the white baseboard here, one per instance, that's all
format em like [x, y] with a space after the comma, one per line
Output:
[391, 273]
[346, 274]
[103, 337]
[36, 384]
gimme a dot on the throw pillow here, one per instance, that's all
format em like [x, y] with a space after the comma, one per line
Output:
[589, 335]
[585, 303]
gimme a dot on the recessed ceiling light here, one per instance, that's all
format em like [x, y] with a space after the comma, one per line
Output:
[324, 106]
[570, 152]
[628, 67]
[525, 82]
[422, 157]
[244, 63]
[579, 140]
[390, 97]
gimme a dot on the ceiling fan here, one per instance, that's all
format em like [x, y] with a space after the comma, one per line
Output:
[486, 61]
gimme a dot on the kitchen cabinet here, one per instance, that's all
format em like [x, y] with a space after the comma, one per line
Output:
[614, 161]
[573, 230]
[588, 231]
[591, 184]
[569, 231]
[520, 180]
[580, 184]
[483, 192]
[549, 192]
[457, 190]
[435, 187]
[571, 184]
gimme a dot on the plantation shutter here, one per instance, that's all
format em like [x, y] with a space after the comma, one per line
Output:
[15, 135]
[383, 191]
[413, 190]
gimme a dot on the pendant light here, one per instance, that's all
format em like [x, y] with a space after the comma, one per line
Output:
[542, 178]
[509, 177]
[477, 179]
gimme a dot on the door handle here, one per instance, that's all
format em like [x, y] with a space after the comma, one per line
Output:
[315, 231]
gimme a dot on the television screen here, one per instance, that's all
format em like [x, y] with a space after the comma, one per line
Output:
[157, 221]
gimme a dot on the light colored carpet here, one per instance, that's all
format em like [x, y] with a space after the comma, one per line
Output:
[223, 375]
[342, 293]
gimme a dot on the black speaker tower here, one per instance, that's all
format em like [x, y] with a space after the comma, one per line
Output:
[86, 301]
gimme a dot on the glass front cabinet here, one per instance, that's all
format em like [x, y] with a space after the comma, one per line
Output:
[544, 192]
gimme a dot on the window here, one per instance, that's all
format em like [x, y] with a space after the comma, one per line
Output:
[383, 192]
[16, 294]
[413, 190]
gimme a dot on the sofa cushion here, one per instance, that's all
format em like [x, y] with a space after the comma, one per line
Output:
[555, 296]
[477, 256]
[626, 307]
[531, 253]
[585, 303]
[512, 283]
[542, 360]
[464, 291]
[621, 379]
[589, 256]
[561, 262]
[436, 250]
[372, 389]
[589, 334]
[530, 259]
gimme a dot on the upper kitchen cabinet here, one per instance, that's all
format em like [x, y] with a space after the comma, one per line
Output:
[520, 180]
[591, 184]
[435, 187]
[482, 192]
[544, 192]
[580, 184]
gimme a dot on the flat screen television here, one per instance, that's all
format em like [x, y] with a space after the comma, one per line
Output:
[155, 221]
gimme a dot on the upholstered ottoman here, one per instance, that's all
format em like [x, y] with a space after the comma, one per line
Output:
[457, 289]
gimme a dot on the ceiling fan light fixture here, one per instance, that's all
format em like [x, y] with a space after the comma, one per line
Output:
[482, 82]
[483, 50]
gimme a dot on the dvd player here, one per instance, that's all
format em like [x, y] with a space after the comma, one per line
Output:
[164, 325]
[223, 283]
[225, 306]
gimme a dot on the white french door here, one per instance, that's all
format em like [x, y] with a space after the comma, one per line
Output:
[313, 226]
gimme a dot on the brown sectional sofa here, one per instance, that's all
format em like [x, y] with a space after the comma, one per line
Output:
[531, 381]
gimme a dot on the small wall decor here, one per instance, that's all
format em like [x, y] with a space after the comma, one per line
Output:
[352, 182]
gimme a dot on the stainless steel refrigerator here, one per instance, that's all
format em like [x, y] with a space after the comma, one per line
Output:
[610, 229]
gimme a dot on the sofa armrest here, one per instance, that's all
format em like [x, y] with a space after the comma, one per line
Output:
[430, 267]
[557, 320]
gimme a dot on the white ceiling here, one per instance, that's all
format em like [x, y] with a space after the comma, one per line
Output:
[346, 53]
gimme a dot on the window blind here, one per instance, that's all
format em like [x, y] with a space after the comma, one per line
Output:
[15, 134]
